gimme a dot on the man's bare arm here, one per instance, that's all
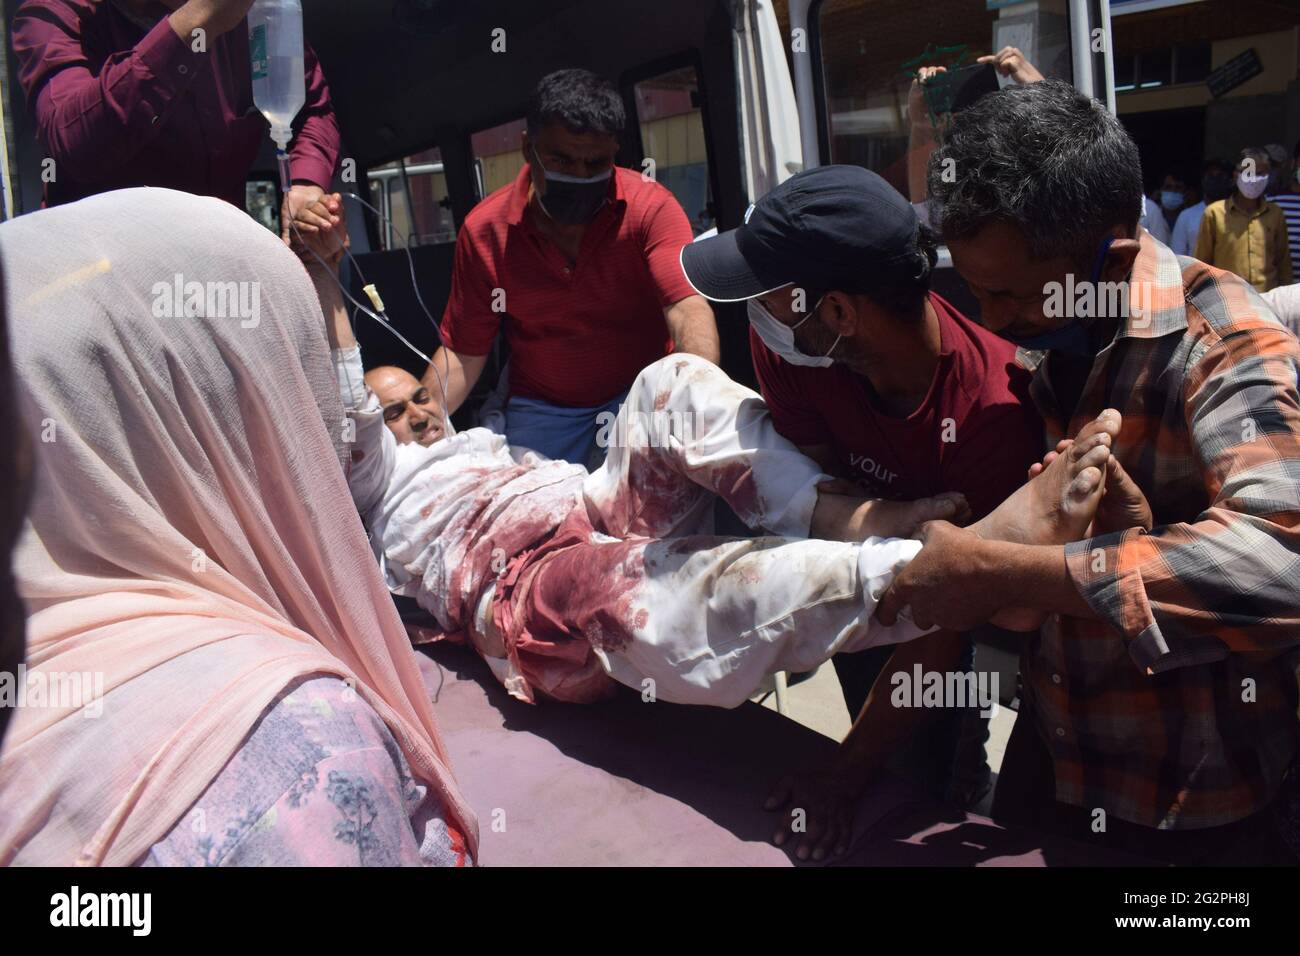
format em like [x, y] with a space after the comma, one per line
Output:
[920, 145]
[841, 510]
[693, 328]
[372, 446]
[922, 139]
[338, 327]
[843, 514]
[458, 374]
[960, 580]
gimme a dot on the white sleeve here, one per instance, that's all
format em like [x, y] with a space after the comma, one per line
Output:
[1285, 302]
[879, 562]
[374, 449]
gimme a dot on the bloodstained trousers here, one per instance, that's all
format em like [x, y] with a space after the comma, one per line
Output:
[678, 613]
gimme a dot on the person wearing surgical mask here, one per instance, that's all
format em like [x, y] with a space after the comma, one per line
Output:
[1286, 196]
[1245, 233]
[1160, 210]
[1153, 219]
[1172, 197]
[1280, 169]
[575, 265]
[884, 383]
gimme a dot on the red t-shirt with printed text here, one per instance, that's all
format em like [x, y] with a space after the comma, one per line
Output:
[579, 334]
[976, 432]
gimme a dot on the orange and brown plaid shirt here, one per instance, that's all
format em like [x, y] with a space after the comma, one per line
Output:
[1178, 707]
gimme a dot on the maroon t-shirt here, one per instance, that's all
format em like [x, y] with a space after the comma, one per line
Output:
[976, 432]
[117, 104]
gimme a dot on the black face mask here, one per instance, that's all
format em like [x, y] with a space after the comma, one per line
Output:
[569, 200]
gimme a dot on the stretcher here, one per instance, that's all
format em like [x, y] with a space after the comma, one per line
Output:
[627, 782]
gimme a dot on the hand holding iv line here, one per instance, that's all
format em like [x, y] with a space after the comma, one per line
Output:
[377, 310]
[276, 54]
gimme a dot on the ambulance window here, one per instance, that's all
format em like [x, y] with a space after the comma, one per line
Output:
[497, 156]
[672, 140]
[427, 218]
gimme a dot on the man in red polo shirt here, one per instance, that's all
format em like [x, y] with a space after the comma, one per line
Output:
[579, 258]
[873, 376]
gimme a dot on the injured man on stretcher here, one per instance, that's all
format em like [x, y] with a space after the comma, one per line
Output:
[570, 583]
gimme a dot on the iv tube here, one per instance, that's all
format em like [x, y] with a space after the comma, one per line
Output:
[381, 316]
[282, 160]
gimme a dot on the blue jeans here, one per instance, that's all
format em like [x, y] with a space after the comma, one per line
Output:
[557, 431]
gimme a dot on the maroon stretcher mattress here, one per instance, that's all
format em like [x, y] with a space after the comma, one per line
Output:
[656, 784]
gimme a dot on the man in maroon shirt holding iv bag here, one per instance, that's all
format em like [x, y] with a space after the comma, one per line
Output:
[159, 93]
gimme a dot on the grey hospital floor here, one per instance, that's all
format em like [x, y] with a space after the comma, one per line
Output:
[818, 704]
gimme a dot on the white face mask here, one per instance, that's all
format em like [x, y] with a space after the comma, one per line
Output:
[779, 337]
[1252, 187]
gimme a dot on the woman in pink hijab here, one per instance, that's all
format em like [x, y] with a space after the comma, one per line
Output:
[215, 673]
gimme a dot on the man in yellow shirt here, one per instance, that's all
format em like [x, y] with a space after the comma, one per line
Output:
[1246, 233]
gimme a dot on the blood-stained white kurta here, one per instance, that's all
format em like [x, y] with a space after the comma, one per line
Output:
[565, 580]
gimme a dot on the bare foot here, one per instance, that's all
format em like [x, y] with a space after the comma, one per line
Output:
[1123, 505]
[1058, 504]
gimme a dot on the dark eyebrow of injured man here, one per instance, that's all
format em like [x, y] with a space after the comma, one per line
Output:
[411, 412]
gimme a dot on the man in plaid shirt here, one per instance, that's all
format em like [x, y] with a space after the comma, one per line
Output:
[1159, 712]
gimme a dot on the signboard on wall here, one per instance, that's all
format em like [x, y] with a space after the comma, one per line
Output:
[1242, 67]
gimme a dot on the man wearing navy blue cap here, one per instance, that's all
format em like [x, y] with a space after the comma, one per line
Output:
[873, 376]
